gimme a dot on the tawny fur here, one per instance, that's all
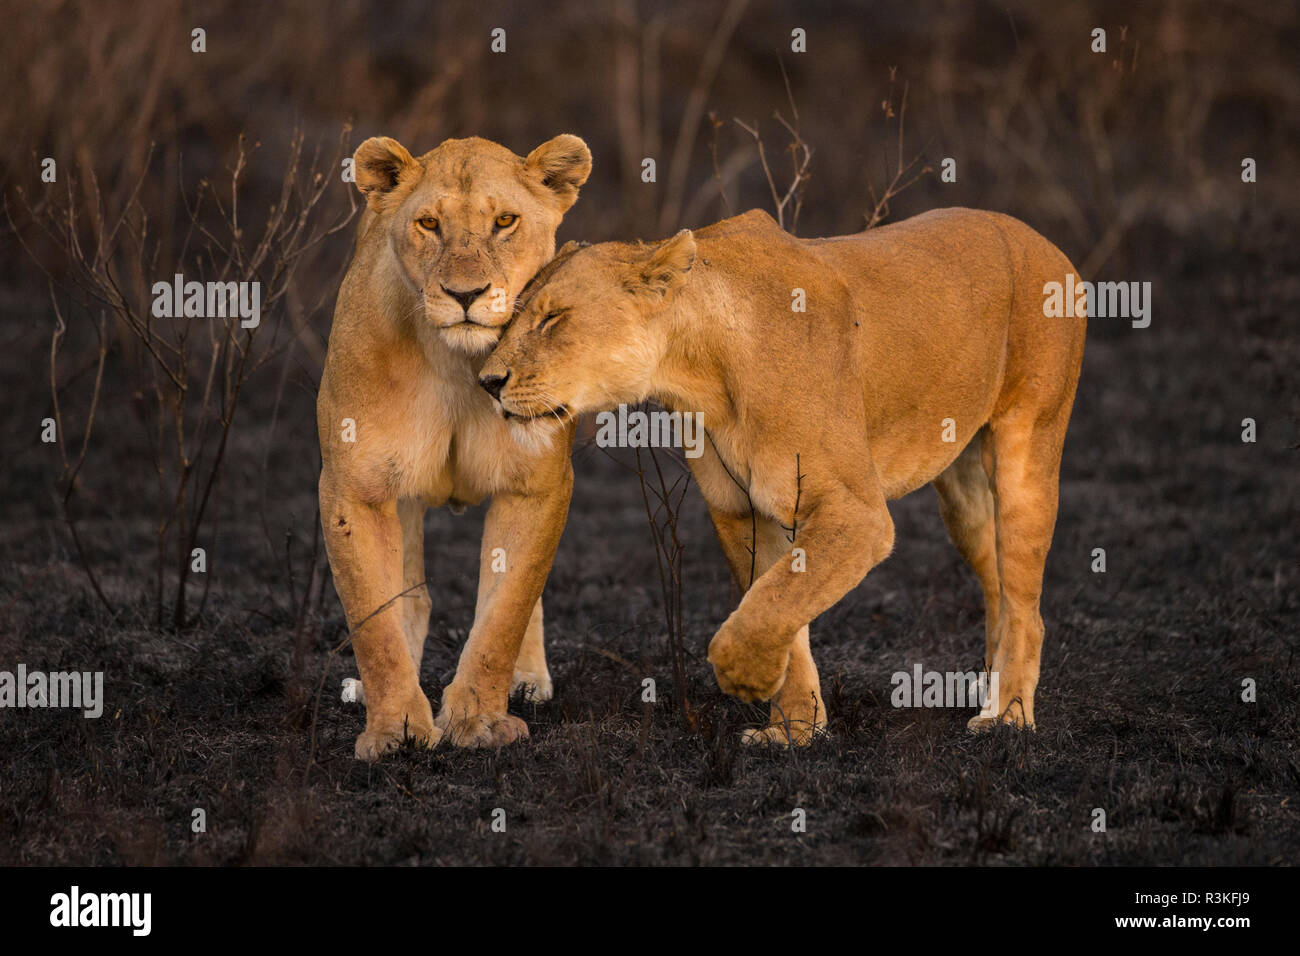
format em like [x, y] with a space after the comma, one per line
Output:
[404, 356]
[938, 317]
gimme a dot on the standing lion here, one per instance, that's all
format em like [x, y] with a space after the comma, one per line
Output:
[445, 244]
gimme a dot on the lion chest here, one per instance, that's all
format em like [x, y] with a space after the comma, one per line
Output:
[447, 449]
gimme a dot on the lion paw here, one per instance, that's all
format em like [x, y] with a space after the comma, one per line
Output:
[983, 722]
[536, 687]
[744, 670]
[382, 735]
[485, 730]
[800, 735]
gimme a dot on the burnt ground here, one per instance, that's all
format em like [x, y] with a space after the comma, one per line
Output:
[1139, 706]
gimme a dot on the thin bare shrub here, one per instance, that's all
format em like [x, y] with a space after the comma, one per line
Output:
[899, 175]
[662, 518]
[183, 375]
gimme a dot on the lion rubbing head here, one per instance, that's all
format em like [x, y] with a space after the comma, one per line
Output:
[586, 335]
[470, 223]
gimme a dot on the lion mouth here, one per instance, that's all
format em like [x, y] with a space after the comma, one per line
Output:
[559, 413]
[471, 337]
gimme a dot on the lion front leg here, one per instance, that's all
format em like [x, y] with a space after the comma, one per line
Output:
[415, 603]
[363, 542]
[520, 535]
[841, 536]
[798, 715]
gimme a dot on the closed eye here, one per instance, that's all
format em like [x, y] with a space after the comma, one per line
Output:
[550, 317]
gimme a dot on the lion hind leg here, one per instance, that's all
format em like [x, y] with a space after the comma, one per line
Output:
[967, 506]
[1027, 459]
[532, 677]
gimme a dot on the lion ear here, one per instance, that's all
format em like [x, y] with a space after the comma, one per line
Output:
[378, 165]
[668, 264]
[570, 247]
[563, 165]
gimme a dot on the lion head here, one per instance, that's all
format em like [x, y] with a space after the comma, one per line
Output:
[586, 335]
[469, 223]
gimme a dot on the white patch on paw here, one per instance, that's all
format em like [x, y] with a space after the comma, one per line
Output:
[353, 692]
[536, 687]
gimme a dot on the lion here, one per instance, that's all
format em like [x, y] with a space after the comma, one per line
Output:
[445, 244]
[833, 375]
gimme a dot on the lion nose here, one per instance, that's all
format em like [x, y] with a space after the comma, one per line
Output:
[466, 299]
[492, 384]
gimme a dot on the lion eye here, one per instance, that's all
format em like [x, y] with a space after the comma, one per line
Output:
[550, 317]
[427, 223]
[506, 220]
